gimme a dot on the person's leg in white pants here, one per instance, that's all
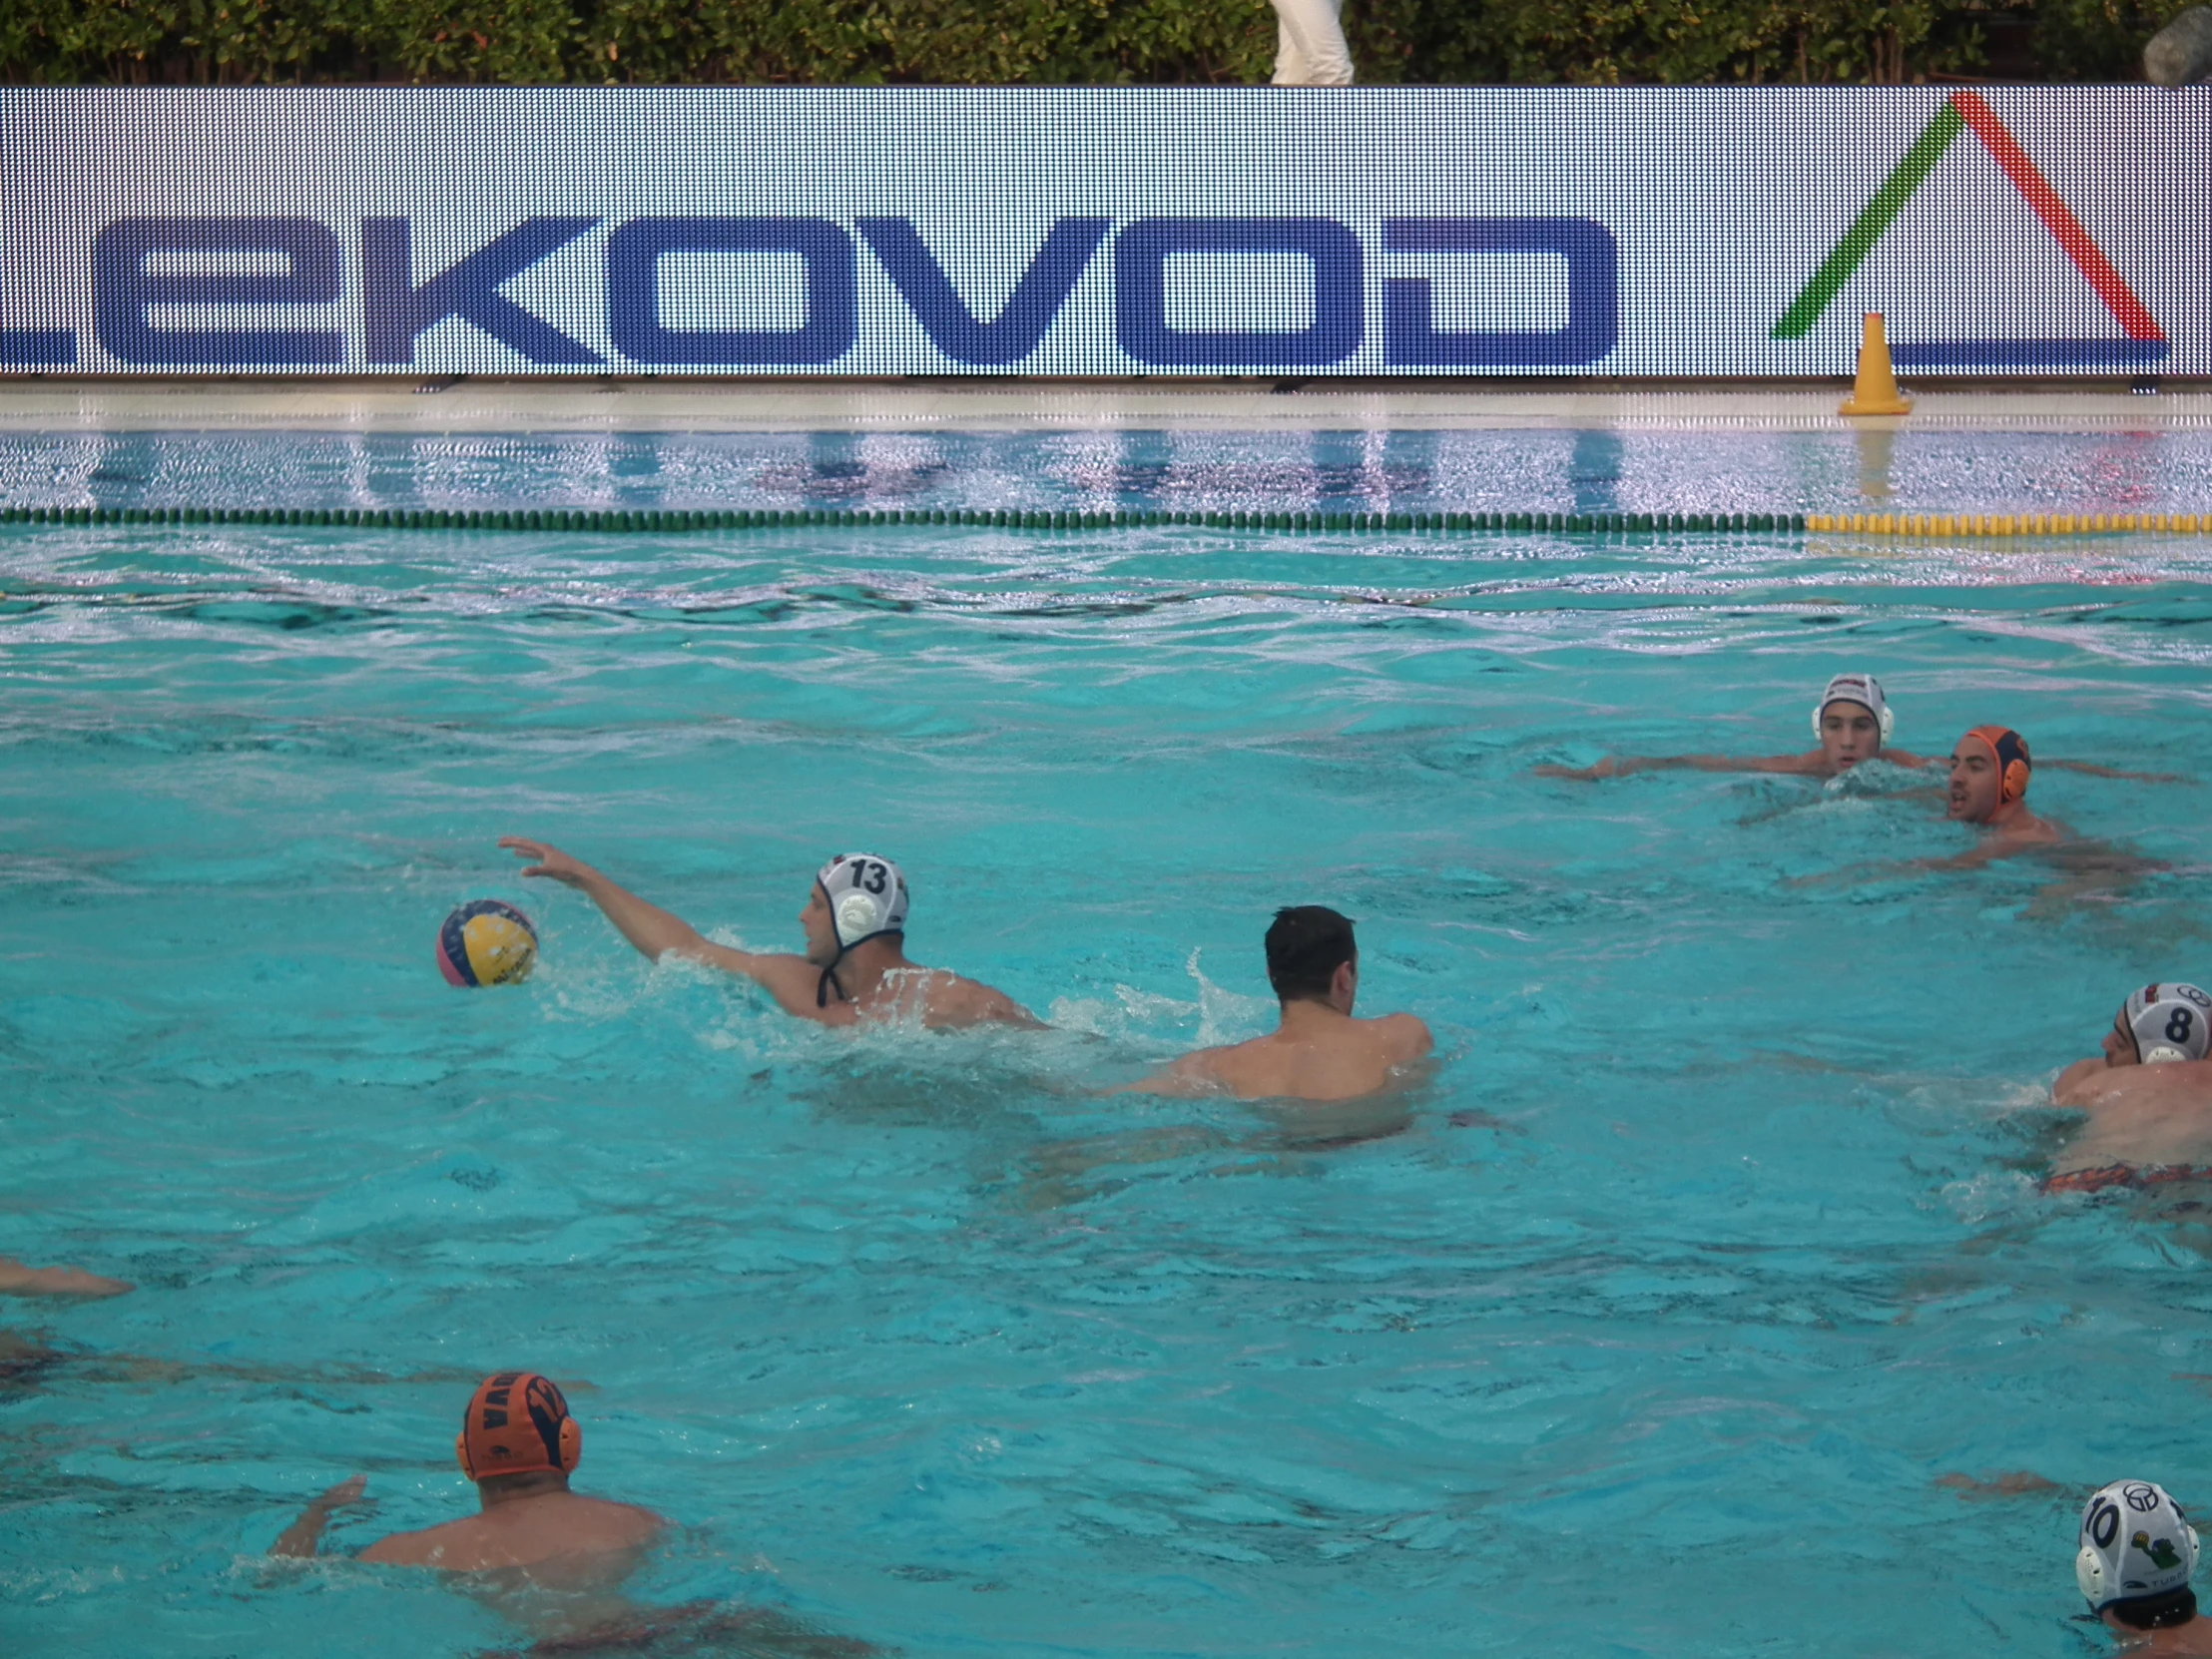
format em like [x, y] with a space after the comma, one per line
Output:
[1309, 46]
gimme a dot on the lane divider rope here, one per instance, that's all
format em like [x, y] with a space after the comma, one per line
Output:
[664, 520]
[1953, 525]
[667, 520]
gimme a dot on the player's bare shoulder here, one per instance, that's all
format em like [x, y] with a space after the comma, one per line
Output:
[624, 1526]
[948, 1000]
[1404, 1039]
[452, 1542]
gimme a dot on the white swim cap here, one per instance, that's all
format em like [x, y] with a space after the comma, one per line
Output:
[866, 896]
[1862, 689]
[2168, 1023]
[2135, 1544]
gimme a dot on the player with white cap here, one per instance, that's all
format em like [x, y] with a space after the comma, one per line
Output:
[856, 967]
[1852, 722]
[2148, 1096]
[2136, 1554]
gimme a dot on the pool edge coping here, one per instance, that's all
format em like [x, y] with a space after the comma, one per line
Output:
[628, 405]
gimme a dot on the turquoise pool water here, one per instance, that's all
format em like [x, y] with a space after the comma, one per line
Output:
[1648, 1326]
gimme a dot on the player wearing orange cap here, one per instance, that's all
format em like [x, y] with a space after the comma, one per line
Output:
[856, 967]
[1990, 773]
[520, 1445]
[1851, 723]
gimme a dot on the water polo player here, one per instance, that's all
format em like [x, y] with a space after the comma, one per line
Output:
[2135, 1554]
[1991, 769]
[1318, 1052]
[520, 1445]
[1852, 721]
[2148, 1096]
[856, 967]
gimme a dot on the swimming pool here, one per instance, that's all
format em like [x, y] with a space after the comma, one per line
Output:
[1712, 1246]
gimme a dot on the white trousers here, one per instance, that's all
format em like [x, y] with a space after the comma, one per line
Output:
[1309, 49]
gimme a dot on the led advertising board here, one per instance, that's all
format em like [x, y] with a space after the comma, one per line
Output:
[1312, 231]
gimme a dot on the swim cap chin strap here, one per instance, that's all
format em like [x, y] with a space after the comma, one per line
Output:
[2009, 749]
[866, 896]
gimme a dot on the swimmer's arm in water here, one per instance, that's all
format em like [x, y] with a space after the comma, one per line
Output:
[1620, 765]
[17, 1278]
[1974, 858]
[655, 933]
[304, 1537]
[2071, 1087]
[2025, 834]
[2091, 770]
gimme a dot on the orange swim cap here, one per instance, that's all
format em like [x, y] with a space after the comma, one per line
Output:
[517, 1423]
[2009, 749]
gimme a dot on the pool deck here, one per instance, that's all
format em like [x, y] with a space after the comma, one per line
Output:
[663, 406]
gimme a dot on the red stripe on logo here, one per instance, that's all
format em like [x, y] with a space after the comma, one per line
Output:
[2029, 180]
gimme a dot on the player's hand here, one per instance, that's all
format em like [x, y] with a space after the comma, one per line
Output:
[549, 861]
[345, 1492]
[1606, 768]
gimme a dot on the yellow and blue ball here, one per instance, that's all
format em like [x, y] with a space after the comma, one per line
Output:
[485, 942]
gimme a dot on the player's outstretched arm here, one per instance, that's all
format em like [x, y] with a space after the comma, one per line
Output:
[305, 1535]
[1613, 766]
[1621, 766]
[2091, 769]
[649, 927]
[19, 1279]
[656, 933]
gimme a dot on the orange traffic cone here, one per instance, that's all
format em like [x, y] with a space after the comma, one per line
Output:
[1875, 392]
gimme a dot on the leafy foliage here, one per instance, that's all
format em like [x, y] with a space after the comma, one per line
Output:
[1044, 42]
[2100, 40]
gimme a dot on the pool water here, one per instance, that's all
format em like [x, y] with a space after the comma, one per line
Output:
[1649, 1325]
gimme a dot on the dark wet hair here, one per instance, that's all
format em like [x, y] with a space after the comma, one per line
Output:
[1306, 946]
[2156, 1612]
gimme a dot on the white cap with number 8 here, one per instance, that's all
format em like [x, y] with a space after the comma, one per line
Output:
[2168, 1023]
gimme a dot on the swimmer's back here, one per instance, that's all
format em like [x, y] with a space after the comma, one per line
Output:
[949, 1001]
[527, 1533]
[1356, 1057]
[2138, 1115]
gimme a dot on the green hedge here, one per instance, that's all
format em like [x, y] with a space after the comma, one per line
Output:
[1033, 42]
